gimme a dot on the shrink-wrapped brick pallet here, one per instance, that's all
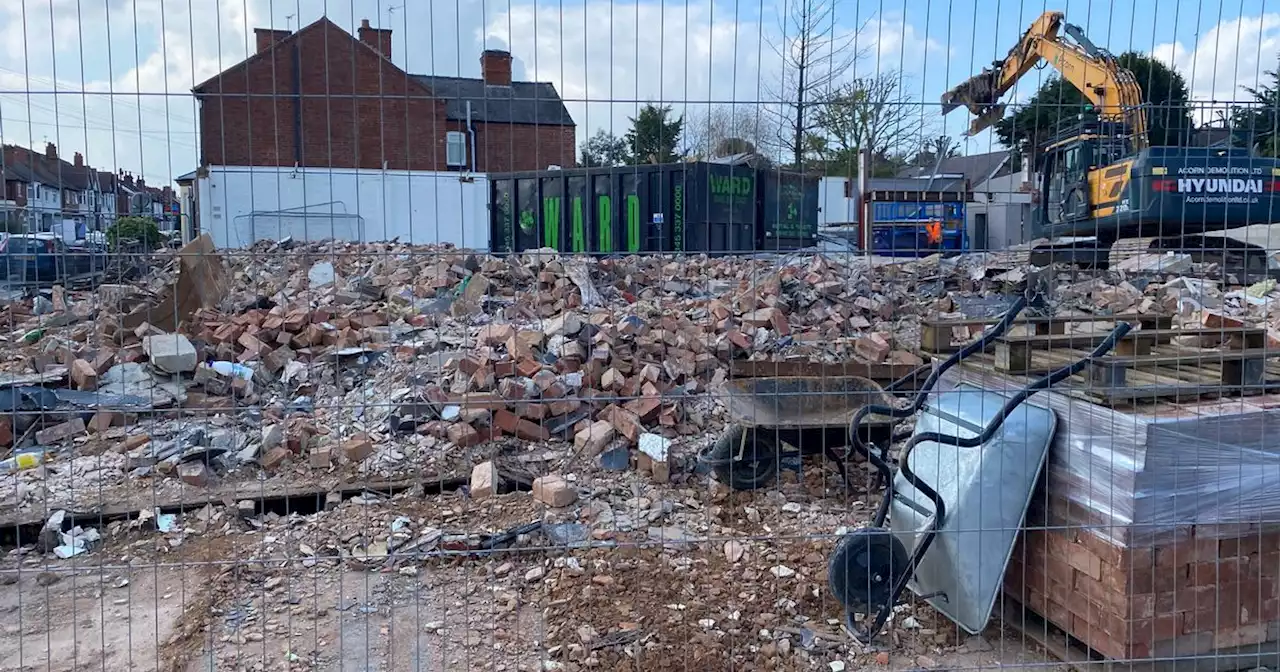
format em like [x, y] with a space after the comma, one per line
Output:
[1156, 530]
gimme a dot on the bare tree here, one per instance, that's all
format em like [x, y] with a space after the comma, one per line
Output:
[935, 149]
[721, 130]
[815, 53]
[875, 113]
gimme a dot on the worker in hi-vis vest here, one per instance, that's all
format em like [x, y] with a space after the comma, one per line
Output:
[934, 231]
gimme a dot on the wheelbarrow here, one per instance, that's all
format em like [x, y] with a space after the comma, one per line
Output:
[772, 418]
[954, 503]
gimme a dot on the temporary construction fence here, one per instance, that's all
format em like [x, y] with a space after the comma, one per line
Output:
[706, 207]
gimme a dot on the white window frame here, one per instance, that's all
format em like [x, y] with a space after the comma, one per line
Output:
[455, 149]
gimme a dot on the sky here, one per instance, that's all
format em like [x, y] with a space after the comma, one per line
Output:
[112, 78]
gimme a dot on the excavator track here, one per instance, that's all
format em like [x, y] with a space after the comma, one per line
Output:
[1240, 259]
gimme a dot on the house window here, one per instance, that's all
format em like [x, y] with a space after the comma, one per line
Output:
[455, 146]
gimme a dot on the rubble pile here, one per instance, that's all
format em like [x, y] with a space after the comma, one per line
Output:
[552, 402]
[299, 359]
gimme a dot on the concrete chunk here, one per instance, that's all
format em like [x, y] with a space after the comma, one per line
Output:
[171, 353]
[484, 480]
[57, 433]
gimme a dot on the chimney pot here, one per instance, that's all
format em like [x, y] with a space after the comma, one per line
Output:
[50, 150]
[495, 67]
[79, 160]
[378, 38]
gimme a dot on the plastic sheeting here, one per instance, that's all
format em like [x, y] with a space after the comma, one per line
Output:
[1147, 475]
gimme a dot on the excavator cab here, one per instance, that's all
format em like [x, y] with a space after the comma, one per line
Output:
[1065, 173]
[1067, 166]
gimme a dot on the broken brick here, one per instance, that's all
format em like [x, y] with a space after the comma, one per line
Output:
[463, 435]
[519, 427]
[554, 491]
[873, 348]
[194, 474]
[103, 420]
[594, 438]
[57, 433]
[357, 448]
[623, 421]
[83, 375]
[320, 456]
[275, 457]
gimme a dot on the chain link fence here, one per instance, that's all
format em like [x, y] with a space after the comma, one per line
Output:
[642, 335]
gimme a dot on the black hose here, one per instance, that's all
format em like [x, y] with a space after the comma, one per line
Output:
[904, 465]
[993, 332]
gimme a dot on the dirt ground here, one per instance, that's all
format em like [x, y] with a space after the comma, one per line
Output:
[289, 593]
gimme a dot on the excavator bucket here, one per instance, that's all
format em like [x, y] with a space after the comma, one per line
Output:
[978, 95]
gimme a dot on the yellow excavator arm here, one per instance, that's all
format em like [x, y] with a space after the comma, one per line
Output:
[1112, 89]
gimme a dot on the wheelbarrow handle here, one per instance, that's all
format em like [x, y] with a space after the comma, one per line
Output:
[990, 334]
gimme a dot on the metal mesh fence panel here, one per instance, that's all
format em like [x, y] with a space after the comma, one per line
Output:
[638, 335]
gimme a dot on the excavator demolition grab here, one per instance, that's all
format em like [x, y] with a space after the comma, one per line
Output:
[1103, 190]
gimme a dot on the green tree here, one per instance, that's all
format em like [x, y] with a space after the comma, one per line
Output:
[140, 230]
[603, 150]
[1163, 90]
[1257, 123]
[654, 135]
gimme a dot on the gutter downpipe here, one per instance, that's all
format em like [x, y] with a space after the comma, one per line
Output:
[471, 132]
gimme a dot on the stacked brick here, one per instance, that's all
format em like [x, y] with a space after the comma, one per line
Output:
[1194, 594]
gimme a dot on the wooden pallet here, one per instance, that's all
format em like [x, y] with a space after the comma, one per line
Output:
[935, 335]
[1146, 364]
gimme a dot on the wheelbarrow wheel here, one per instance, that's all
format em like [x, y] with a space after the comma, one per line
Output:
[864, 568]
[759, 465]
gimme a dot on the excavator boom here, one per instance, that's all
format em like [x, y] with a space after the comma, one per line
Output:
[1113, 90]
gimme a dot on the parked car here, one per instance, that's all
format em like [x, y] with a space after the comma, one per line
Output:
[44, 257]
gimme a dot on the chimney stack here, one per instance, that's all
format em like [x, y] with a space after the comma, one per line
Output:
[79, 160]
[269, 36]
[51, 151]
[378, 38]
[495, 67]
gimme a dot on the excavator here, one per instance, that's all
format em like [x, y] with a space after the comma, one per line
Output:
[1101, 182]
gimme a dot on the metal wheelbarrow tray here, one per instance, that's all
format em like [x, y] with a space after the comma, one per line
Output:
[948, 521]
[772, 417]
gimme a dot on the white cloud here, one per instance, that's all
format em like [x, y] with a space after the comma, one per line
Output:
[608, 58]
[111, 78]
[1232, 55]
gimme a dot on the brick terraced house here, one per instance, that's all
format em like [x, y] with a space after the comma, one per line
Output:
[323, 98]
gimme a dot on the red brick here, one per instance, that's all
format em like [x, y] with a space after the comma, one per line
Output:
[1213, 320]
[103, 420]
[513, 424]
[463, 435]
[1224, 571]
[1188, 551]
[83, 375]
[275, 457]
[646, 407]
[357, 448]
[625, 422]
[1157, 628]
[1244, 635]
[1250, 544]
[739, 339]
